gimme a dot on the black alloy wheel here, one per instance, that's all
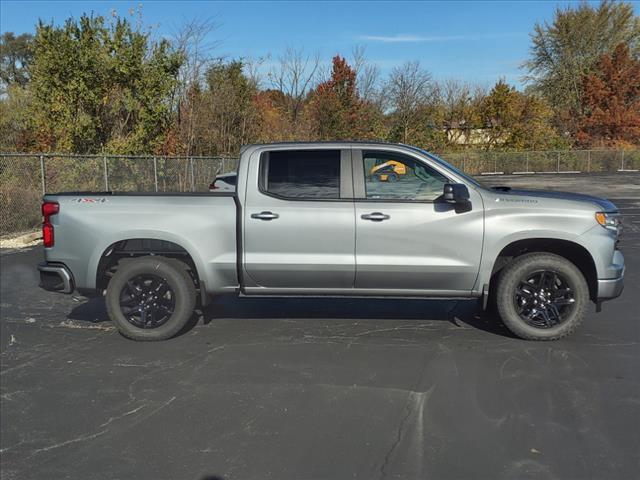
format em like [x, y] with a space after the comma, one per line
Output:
[147, 301]
[544, 299]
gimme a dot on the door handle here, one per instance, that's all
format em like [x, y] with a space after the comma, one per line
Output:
[375, 216]
[265, 215]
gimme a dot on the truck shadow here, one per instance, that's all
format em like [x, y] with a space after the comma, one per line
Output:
[91, 310]
[457, 312]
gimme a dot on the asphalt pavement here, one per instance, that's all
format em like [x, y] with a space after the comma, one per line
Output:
[318, 389]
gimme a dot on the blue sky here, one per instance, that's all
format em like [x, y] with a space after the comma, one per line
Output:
[473, 41]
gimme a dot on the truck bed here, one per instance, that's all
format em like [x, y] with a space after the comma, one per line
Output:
[203, 223]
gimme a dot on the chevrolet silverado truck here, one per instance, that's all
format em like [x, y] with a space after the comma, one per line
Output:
[310, 219]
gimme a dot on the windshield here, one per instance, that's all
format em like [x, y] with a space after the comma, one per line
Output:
[447, 165]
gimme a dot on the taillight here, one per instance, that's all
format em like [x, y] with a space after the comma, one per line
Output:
[47, 235]
[48, 209]
[212, 186]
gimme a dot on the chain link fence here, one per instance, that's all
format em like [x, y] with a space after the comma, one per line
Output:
[532, 162]
[25, 177]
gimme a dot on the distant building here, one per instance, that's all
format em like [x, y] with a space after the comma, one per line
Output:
[471, 136]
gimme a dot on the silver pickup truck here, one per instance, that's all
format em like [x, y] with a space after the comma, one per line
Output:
[336, 219]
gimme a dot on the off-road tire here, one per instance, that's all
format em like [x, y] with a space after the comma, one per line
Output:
[178, 279]
[519, 268]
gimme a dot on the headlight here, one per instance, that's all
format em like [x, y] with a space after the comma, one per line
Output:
[610, 221]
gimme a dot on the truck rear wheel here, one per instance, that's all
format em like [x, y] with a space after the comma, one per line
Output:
[542, 296]
[150, 298]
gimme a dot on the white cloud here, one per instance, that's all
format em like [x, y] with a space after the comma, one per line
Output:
[409, 38]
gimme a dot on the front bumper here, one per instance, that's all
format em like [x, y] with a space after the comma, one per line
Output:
[612, 287]
[56, 277]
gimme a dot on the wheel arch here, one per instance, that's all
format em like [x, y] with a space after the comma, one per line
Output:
[135, 247]
[572, 251]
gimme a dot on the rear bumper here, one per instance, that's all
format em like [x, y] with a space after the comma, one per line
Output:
[56, 277]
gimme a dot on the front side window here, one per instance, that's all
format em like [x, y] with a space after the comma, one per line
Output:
[396, 177]
[313, 174]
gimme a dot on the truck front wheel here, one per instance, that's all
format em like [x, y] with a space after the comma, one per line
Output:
[150, 298]
[542, 296]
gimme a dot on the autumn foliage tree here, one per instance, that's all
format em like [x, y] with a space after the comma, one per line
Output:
[334, 104]
[272, 117]
[337, 110]
[568, 48]
[110, 85]
[612, 102]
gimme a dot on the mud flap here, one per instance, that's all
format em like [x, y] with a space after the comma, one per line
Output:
[485, 296]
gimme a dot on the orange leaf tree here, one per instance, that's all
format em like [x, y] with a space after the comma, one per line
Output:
[338, 112]
[612, 102]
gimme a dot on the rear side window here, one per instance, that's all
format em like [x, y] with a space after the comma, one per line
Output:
[298, 174]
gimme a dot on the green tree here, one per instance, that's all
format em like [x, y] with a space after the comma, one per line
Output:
[567, 49]
[534, 129]
[500, 113]
[16, 54]
[458, 112]
[16, 129]
[101, 86]
[515, 120]
[410, 93]
[224, 111]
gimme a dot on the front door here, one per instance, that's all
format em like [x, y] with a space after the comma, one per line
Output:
[406, 237]
[299, 226]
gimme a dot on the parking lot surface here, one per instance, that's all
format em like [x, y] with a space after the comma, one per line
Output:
[321, 389]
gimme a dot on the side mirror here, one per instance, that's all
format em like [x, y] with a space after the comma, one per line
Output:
[457, 193]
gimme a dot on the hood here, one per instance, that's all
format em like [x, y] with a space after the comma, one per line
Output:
[602, 203]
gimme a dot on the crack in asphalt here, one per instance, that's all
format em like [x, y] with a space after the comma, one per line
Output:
[86, 437]
[410, 402]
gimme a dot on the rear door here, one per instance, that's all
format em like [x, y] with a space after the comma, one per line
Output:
[407, 239]
[299, 224]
